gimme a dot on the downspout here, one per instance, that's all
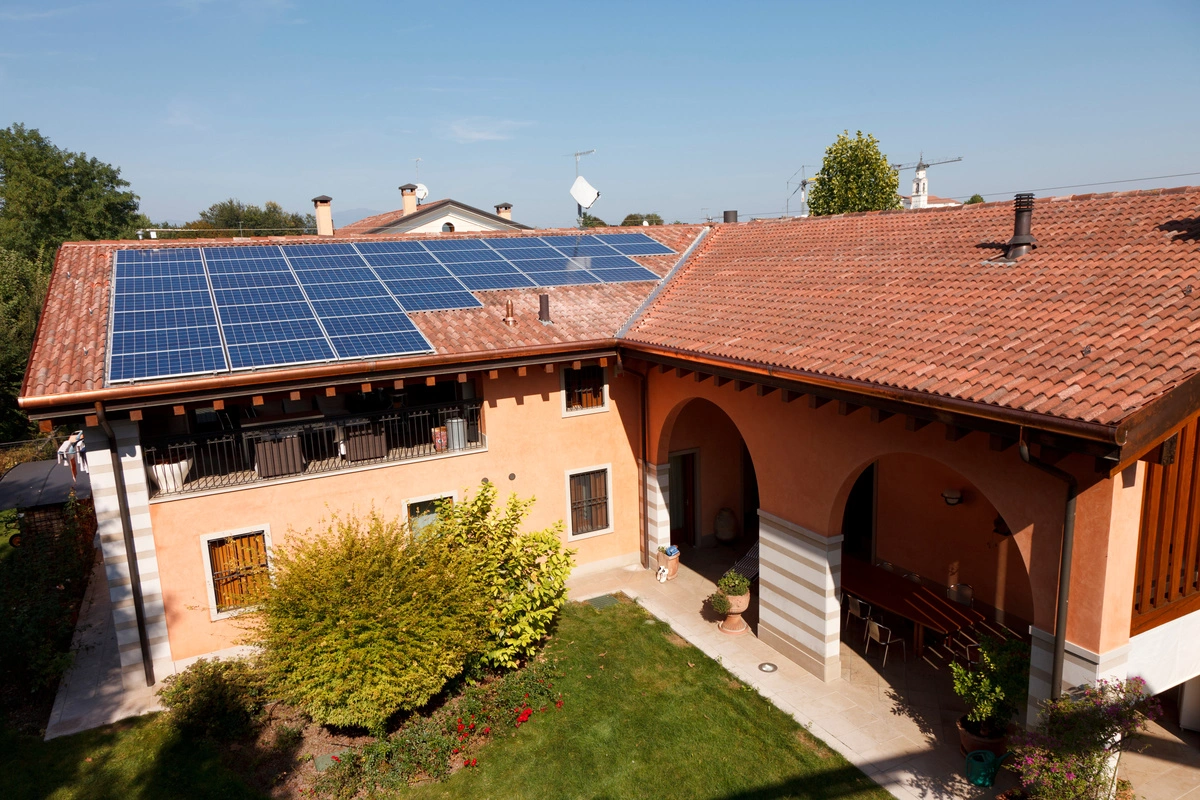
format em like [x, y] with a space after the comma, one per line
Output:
[1064, 566]
[135, 578]
[641, 460]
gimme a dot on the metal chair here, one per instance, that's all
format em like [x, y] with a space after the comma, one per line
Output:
[857, 608]
[912, 576]
[886, 565]
[961, 593]
[883, 636]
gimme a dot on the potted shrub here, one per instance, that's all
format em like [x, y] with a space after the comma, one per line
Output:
[994, 691]
[732, 598]
[1073, 752]
[669, 560]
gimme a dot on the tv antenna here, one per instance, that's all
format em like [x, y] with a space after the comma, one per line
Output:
[417, 170]
[801, 187]
[583, 192]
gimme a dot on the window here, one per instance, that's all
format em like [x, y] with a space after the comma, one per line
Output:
[447, 227]
[584, 390]
[591, 510]
[422, 511]
[238, 569]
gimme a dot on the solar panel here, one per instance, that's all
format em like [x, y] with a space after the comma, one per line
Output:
[183, 310]
[163, 320]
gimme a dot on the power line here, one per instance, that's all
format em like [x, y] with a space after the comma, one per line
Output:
[1084, 185]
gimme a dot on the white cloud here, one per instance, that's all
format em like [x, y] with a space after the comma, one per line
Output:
[483, 129]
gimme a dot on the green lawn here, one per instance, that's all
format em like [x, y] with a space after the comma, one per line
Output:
[139, 759]
[647, 715]
[644, 715]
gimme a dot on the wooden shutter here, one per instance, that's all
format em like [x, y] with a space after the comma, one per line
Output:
[584, 387]
[239, 569]
[589, 502]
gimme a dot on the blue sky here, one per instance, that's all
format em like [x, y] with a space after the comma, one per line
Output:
[690, 106]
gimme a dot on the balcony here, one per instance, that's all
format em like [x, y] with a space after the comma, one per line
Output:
[269, 449]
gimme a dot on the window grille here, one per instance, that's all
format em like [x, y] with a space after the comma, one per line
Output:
[584, 388]
[239, 569]
[589, 502]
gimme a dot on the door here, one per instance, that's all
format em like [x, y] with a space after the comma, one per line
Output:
[858, 522]
[682, 493]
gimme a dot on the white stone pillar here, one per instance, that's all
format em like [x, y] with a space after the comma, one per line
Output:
[658, 509]
[800, 573]
[116, 563]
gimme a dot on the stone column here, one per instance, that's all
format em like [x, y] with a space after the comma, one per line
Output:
[800, 573]
[658, 509]
[116, 563]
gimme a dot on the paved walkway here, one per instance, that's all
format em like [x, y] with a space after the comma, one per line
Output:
[91, 694]
[896, 724]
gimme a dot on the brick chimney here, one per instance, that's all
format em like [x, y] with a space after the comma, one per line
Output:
[324, 214]
[409, 192]
[504, 210]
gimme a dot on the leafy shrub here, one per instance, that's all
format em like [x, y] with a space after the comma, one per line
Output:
[719, 602]
[368, 619]
[218, 699]
[524, 575]
[734, 584]
[1069, 756]
[41, 585]
[997, 688]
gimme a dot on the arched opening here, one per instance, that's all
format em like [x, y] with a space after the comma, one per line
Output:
[712, 489]
[447, 227]
[919, 518]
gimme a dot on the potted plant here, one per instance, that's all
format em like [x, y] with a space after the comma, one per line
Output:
[669, 557]
[1079, 738]
[994, 691]
[732, 598]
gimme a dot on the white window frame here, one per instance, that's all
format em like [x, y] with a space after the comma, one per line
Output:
[213, 614]
[425, 498]
[562, 391]
[567, 481]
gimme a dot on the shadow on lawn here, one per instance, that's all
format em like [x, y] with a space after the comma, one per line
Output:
[845, 781]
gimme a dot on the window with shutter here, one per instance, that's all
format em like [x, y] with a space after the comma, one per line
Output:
[589, 502]
[239, 569]
[583, 389]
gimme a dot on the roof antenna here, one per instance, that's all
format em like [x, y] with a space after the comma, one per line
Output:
[581, 190]
[801, 187]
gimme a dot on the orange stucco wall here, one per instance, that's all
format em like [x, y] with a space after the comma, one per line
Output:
[807, 460]
[705, 427]
[910, 514]
[527, 436]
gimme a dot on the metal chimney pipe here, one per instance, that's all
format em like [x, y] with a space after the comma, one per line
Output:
[1022, 241]
[509, 319]
[731, 216]
[544, 309]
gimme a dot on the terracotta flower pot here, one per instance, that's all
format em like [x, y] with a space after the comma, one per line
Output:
[733, 624]
[970, 742]
[670, 562]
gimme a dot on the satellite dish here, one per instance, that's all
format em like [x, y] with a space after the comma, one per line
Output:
[584, 193]
[422, 191]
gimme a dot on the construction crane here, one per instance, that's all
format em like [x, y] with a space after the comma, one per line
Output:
[920, 186]
[801, 187]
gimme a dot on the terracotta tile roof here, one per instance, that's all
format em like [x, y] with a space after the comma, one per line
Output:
[69, 350]
[1094, 324]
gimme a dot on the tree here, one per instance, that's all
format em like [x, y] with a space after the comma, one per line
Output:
[593, 222]
[49, 196]
[855, 176]
[638, 219]
[22, 288]
[975, 198]
[234, 218]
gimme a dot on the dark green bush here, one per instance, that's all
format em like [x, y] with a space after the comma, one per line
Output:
[41, 586]
[368, 619]
[218, 699]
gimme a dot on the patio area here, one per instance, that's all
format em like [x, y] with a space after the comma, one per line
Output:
[897, 723]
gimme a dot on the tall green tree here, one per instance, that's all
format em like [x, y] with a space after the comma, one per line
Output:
[232, 217]
[49, 196]
[22, 288]
[855, 176]
[593, 222]
[638, 219]
[975, 198]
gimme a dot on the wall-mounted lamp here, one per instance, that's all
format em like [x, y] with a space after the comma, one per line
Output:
[952, 496]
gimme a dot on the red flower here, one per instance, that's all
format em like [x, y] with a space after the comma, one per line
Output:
[466, 762]
[487, 730]
[474, 761]
[460, 727]
[454, 751]
[558, 703]
[335, 758]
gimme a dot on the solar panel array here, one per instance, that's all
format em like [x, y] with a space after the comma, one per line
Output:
[187, 311]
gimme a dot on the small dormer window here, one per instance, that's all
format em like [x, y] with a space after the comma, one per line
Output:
[447, 227]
